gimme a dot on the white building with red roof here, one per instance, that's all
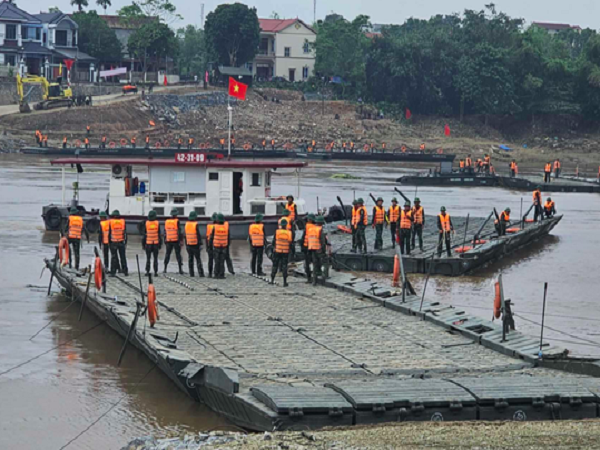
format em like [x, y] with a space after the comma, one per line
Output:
[284, 50]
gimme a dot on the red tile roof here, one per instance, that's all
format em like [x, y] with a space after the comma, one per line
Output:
[275, 25]
[556, 26]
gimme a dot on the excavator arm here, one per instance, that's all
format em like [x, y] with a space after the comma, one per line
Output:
[63, 99]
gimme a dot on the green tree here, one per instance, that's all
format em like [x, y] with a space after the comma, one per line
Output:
[152, 42]
[80, 4]
[232, 34]
[164, 10]
[54, 9]
[192, 52]
[104, 4]
[96, 38]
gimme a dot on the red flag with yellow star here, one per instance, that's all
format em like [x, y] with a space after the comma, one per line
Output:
[237, 89]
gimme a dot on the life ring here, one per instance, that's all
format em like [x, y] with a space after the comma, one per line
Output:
[463, 249]
[288, 146]
[247, 146]
[166, 143]
[528, 220]
[112, 144]
[479, 242]
[366, 148]
[513, 230]
[93, 225]
[53, 219]
[202, 146]
[77, 143]
[497, 301]
[152, 307]
[207, 145]
[157, 145]
[123, 142]
[345, 229]
[328, 147]
[63, 251]
[440, 151]
[98, 273]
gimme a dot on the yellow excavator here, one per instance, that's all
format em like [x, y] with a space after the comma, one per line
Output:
[53, 94]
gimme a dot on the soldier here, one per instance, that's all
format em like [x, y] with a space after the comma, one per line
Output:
[173, 239]
[257, 239]
[282, 243]
[360, 219]
[317, 246]
[209, 249]
[151, 242]
[378, 222]
[193, 241]
[118, 244]
[394, 215]
[103, 236]
[406, 222]
[418, 223]
[75, 227]
[219, 240]
[445, 228]
[310, 222]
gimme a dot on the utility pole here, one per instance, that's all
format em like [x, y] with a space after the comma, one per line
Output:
[202, 16]
[315, 12]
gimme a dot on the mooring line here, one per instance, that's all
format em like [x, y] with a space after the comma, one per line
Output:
[52, 320]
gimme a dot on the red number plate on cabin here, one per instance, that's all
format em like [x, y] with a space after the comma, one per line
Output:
[190, 157]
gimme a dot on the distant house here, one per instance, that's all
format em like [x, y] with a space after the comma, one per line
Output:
[553, 28]
[284, 50]
[239, 73]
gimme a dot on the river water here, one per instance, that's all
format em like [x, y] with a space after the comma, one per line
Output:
[68, 379]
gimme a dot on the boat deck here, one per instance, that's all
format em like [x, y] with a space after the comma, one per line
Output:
[425, 261]
[350, 352]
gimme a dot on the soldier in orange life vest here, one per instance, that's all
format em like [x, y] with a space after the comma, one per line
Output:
[547, 172]
[257, 239]
[264, 144]
[219, 240]
[406, 222]
[310, 222]
[118, 243]
[360, 219]
[103, 236]
[537, 204]
[557, 168]
[403, 148]
[418, 214]
[492, 170]
[351, 147]
[317, 247]
[445, 228]
[190, 143]
[549, 208]
[394, 215]
[151, 241]
[272, 144]
[282, 244]
[103, 142]
[88, 130]
[232, 145]
[179, 142]
[461, 166]
[209, 249]
[86, 141]
[502, 222]
[193, 241]
[75, 227]
[173, 240]
[514, 169]
[222, 143]
[147, 141]
[422, 147]
[469, 164]
[487, 162]
[64, 142]
[378, 222]
[133, 141]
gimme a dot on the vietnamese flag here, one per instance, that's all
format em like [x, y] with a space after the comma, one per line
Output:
[408, 114]
[447, 130]
[237, 90]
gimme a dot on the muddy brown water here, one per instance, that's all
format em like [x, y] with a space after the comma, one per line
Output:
[53, 398]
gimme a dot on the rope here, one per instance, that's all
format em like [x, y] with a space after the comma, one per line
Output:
[51, 320]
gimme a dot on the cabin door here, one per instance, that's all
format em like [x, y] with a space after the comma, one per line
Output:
[225, 192]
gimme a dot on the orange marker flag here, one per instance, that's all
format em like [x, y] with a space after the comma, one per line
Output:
[237, 89]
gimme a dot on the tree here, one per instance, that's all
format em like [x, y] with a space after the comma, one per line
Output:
[54, 9]
[151, 42]
[96, 38]
[232, 34]
[80, 4]
[274, 15]
[104, 4]
[164, 10]
[192, 51]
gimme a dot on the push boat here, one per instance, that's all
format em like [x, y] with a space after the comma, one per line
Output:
[238, 189]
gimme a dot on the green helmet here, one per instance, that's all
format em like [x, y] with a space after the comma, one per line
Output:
[286, 212]
[283, 223]
[507, 210]
[290, 197]
[360, 201]
[379, 199]
[394, 200]
[311, 216]
[549, 199]
[258, 218]
[220, 218]
[73, 210]
[407, 204]
[538, 187]
[103, 215]
[174, 212]
[320, 219]
[193, 215]
[152, 215]
[417, 200]
[354, 202]
[214, 216]
[443, 208]
[116, 213]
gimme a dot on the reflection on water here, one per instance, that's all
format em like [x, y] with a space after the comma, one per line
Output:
[58, 395]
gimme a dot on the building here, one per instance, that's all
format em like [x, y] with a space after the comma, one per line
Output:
[553, 28]
[284, 50]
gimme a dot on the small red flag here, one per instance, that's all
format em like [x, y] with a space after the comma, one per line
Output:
[165, 80]
[408, 114]
[447, 130]
[237, 90]
[69, 63]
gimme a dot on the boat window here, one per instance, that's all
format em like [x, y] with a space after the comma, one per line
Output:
[159, 211]
[257, 208]
[178, 177]
[213, 176]
[200, 210]
[256, 179]
[267, 179]
[179, 211]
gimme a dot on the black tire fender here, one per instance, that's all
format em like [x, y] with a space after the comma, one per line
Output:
[93, 225]
[53, 219]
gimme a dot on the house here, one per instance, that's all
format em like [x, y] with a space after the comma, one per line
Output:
[242, 74]
[553, 28]
[284, 50]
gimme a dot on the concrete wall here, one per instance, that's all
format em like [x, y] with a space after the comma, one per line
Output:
[8, 91]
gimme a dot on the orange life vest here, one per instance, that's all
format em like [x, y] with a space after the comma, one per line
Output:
[86, 141]
[289, 222]
[152, 229]
[117, 230]
[445, 222]
[172, 228]
[537, 197]
[468, 162]
[147, 139]
[283, 241]
[75, 227]
[513, 166]
[403, 149]
[209, 229]
[548, 168]
[292, 209]
[103, 138]
[257, 234]
[221, 235]
[462, 164]
[548, 206]
[314, 237]
[190, 141]
[422, 147]
[356, 216]
[105, 227]
[504, 217]
[379, 215]
[556, 164]
[418, 215]
[394, 213]
[307, 228]
[191, 233]
[406, 220]
[64, 140]
[133, 140]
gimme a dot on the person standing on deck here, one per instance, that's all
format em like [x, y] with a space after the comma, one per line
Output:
[173, 240]
[151, 241]
[282, 243]
[147, 140]
[310, 223]
[209, 249]
[547, 172]
[418, 214]
[75, 227]
[549, 208]
[219, 240]
[360, 220]
[256, 236]
[317, 246]
[406, 224]
[445, 228]
[514, 169]
[394, 215]
[378, 222]
[537, 204]
[293, 215]
[557, 168]
[502, 222]
[193, 241]
[103, 237]
[118, 244]
[469, 164]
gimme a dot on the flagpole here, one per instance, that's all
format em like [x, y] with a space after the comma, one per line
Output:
[230, 112]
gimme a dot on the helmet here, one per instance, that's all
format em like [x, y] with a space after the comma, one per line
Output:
[417, 200]
[286, 212]
[507, 210]
[214, 216]
[360, 201]
[283, 223]
[443, 208]
[193, 215]
[152, 215]
[174, 212]
[379, 199]
[320, 219]
[354, 202]
[395, 200]
[311, 216]
[220, 218]
[73, 210]
[258, 218]
[290, 197]
[538, 187]
[549, 199]
[116, 213]
[406, 203]
[103, 215]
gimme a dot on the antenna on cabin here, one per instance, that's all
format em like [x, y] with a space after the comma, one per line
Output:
[202, 16]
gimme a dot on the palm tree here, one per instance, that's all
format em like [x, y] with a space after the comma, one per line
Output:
[104, 4]
[80, 4]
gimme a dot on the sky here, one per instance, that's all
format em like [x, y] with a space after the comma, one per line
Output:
[585, 13]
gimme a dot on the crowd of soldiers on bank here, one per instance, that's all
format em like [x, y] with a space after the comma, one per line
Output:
[485, 166]
[112, 238]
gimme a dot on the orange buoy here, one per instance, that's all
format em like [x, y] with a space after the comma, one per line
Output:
[157, 145]
[77, 143]
[123, 142]
[345, 229]
[396, 278]
[497, 301]
[479, 242]
[98, 273]
[112, 144]
[63, 251]
[463, 249]
[513, 230]
[152, 123]
[152, 306]
[528, 220]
